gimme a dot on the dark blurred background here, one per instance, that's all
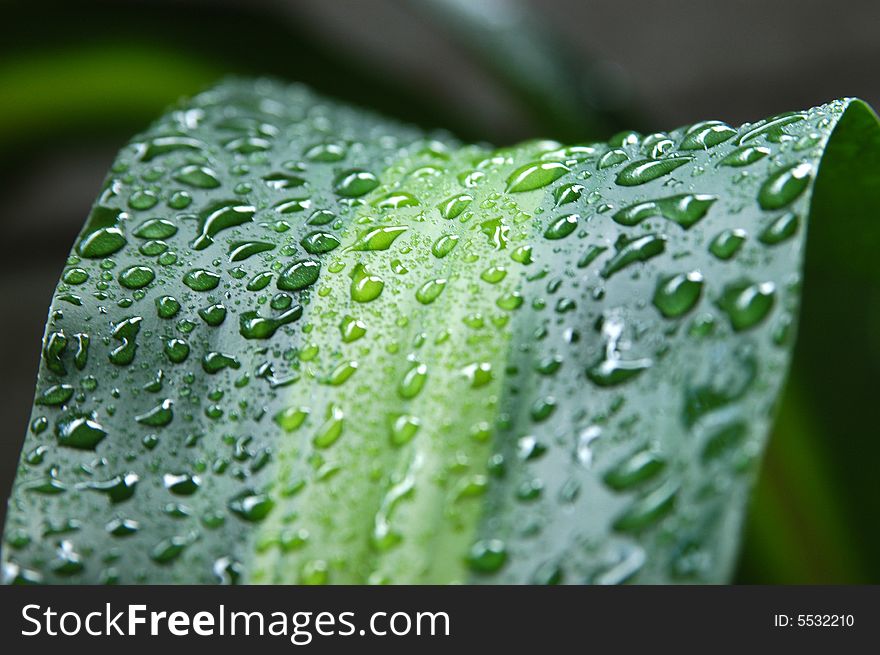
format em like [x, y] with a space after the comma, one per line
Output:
[78, 79]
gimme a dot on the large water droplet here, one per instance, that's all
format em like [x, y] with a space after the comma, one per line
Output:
[535, 175]
[747, 304]
[685, 209]
[647, 170]
[784, 186]
[84, 433]
[678, 294]
[637, 250]
[299, 275]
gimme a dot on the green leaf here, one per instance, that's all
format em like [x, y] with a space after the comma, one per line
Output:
[272, 382]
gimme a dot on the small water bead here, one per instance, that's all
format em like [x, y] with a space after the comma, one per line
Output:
[355, 183]
[568, 193]
[280, 181]
[167, 307]
[493, 274]
[771, 128]
[613, 371]
[632, 471]
[251, 506]
[254, 326]
[444, 245]
[57, 394]
[530, 490]
[378, 238]
[535, 175]
[291, 418]
[396, 200]
[67, 561]
[180, 200]
[612, 158]
[197, 176]
[181, 484]
[496, 231]
[242, 250]
[562, 227]
[259, 281]
[413, 381]
[200, 279]
[624, 138]
[510, 301]
[745, 156]
[522, 255]
[365, 286]
[647, 170]
[317, 243]
[648, 509]
[166, 144]
[136, 277]
[705, 135]
[125, 332]
[685, 209]
[326, 152]
[727, 243]
[747, 304]
[678, 294]
[781, 229]
[454, 206]
[218, 217]
[156, 228]
[352, 329]
[430, 291]
[143, 199]
[784, 186]
[281, 301]
[479, 374]
[101, 243]
[75, 276]
[213, 315]
[657, 146]
[177, 350]
[54, 346]
[37, 455]
[487, 556]
[293, 206]
[248, 145]
[314, 572]
[321, 217]
[214, 362]
[341, 373]
[403, 428]
[542, 409]
[159, 416]
[153, 248]
[637, 250]
[168, 550]
[724, 438]
[122, 527]
[83, 433]
[332, 428]
[177, 510]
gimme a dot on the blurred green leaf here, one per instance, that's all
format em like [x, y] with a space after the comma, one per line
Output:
[814, 517]
[107, 84]
[567, 96]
